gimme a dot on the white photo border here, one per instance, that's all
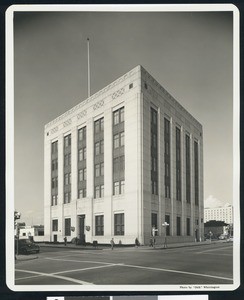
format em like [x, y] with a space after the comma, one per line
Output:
[10, 263]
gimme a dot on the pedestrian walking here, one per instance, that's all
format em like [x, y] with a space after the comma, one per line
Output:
[112, 244]
[65, 241]
[151, 242]
[137, 243]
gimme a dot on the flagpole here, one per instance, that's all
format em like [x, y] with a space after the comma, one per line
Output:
[88, 68]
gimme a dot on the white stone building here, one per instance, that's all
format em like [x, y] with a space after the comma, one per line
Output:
[126, 159]
[220, 213]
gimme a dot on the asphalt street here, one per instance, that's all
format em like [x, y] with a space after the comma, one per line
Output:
[210, 264]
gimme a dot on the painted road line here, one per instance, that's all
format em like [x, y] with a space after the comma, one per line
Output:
[86, 269]
[215, 249]
[82, 261]
[177, 271]
[56, 276]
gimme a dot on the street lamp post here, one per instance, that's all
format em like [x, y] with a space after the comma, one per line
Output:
[165, 224]
[17, 216]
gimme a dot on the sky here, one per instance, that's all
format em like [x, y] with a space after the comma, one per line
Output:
[189, 53]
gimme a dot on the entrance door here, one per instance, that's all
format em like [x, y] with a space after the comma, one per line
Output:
[55, 238]
[82, 236]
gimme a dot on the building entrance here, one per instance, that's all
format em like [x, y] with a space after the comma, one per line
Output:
[55, 238]
[81, 233]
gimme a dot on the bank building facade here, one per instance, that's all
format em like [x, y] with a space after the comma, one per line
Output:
[124, 161]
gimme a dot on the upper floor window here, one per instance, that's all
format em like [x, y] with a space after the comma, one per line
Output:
[82, 154]
[119, 140]
[67, 141]
[118, 116]
[67, 159]
[99, 147]
[82, 134]
[99, 125]
[54, 147]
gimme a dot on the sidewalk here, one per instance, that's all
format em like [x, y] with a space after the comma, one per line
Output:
[107, 247]
[144, 247]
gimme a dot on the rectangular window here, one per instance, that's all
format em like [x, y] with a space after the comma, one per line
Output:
[99, 125]
[167, 175]
[54, 164]
[102, 191]
[188, 169]
[54, 182]
[122, 186]
[116, 141]
[122, 139]
[154, 151]
[82, 154]
[116, 188]
[54, 200]
[102, 169]
[67, 178]
[99, 225]
[154, 222]
[97, 148]
[101, 146]
[167, 220]
[82, 174]
[54, 147]
[67, 226]
[82, 193]
[119, 224]
[102, 124]
[116, 117]
[196, 172]
[122, 115]
[97, 191]
[178, 226]
[178, 164]
[67, 141]
[55, 225]
[67, 197]
[188, 226]
[97, 170]
[82, 134]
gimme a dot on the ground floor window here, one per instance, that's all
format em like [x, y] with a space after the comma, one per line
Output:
[119, 187]
[99, 225]
[82, 193]
[154, 222]
[67, 227]
[55, 225]
[167, 220]
[67, 197]
[188, 226]
[178, 226]
[119, 224]
[54, 200]
[99, 191]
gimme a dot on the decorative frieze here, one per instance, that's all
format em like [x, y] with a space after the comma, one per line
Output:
[86, 101]
[67, 123]
[98, 104]
[118, 93]
[81, 114]
[53, 130]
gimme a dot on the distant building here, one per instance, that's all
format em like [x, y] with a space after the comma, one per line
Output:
[36, 232]
[123, 161]
[220, 213]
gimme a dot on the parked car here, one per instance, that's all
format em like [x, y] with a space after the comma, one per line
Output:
[223, 237]
[26, 246]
